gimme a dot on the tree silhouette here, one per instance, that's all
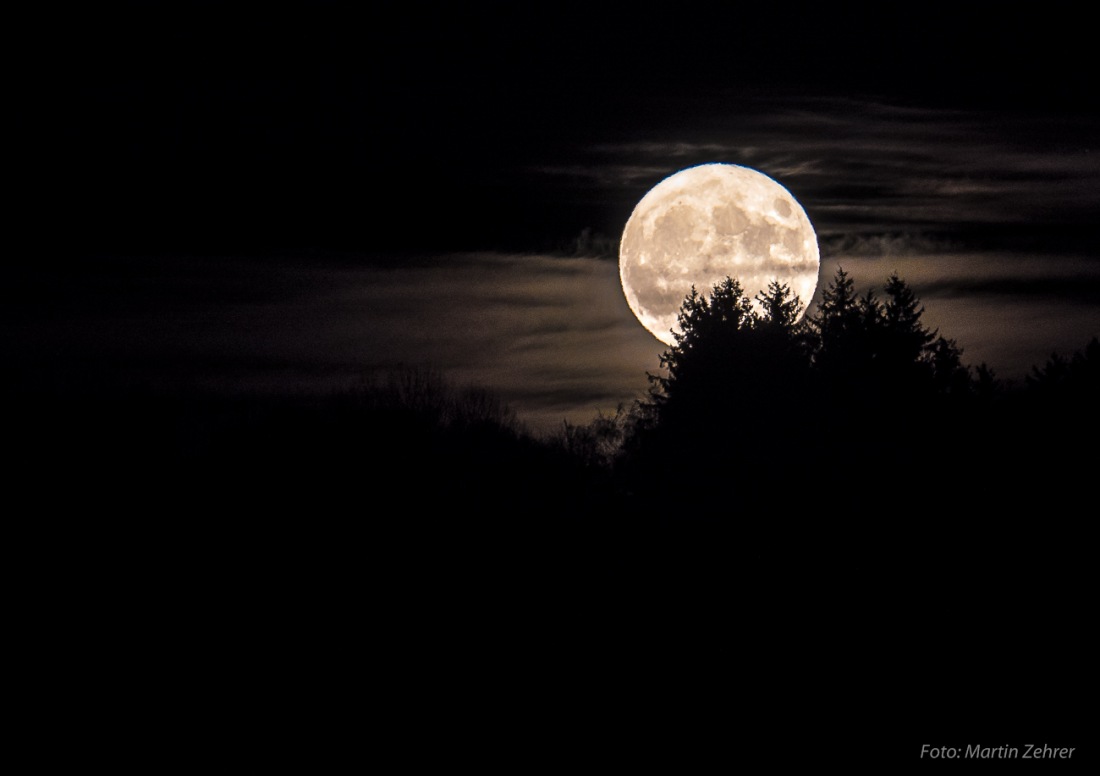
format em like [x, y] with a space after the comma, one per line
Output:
[844, 329]
[1075, 378]
[902, 340]
[747, 390]
[1063, 396]
[732, 399]
[875, 352]
[781, 307]
[727, 352]
[838, 321]
[950, 377]
[713, 331]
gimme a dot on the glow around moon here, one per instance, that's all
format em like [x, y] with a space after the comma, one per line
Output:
[705, 223]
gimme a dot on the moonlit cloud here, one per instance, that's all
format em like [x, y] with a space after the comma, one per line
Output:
[552, 335]
[989, 220]
[606, 175]
[673, 149]
[1010, 311]
[896, 244]
[862, 164]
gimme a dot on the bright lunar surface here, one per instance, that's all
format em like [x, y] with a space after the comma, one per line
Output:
[705, 223]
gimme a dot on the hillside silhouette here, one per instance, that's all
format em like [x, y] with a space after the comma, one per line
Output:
[800, 508]
[858, 396]
[884, 510]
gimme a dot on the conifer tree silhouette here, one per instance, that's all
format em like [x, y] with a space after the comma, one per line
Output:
[843, 329]
[731, 403]
[902, 339]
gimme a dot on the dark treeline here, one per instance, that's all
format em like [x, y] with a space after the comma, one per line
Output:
[856, 406]
[859, 402]
[834, 507]
[403, 445]
[870, 499]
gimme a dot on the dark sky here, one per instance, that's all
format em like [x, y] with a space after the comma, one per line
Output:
[388, 126]
[262, 190]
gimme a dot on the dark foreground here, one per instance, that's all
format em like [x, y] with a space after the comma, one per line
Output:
[295, 573]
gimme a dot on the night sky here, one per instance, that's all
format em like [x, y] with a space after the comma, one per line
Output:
[218, 199]
[275, 197]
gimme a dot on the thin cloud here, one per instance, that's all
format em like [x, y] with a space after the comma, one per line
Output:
[607, 175]
[662, 149]
[1007, 310]
[552, 335]
[849, 244]
[892, 165]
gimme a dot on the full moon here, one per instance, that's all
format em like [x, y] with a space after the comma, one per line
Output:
[705, 223]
